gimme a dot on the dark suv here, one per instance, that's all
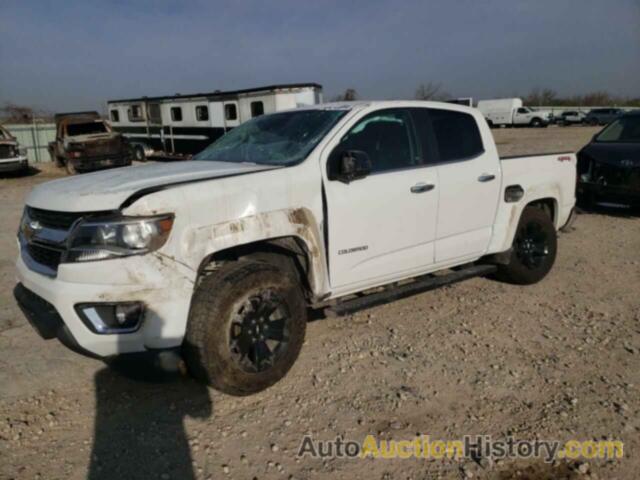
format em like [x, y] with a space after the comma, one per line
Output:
[609, 166]
[602, 116]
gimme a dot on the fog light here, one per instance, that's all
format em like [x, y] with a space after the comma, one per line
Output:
[105, 318]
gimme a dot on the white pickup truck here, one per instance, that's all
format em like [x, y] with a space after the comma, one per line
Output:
[511, 112]
[338, 206]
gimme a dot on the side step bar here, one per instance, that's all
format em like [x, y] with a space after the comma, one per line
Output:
[421, 284]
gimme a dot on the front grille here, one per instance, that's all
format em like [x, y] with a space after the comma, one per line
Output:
[47, 256]
[7, 151]
[615, 175]
[95, 149]
[53, 219]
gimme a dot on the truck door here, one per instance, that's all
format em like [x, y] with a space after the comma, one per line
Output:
[521, 116]
[469, 177]
[381, 226]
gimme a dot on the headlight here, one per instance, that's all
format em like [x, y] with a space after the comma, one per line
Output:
[22, 152]
[120, 237]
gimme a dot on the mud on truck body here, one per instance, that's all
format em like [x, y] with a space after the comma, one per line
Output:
[84, 142]
[336, 206]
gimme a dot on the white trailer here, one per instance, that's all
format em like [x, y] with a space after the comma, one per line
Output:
[512, 112]
[186, 124]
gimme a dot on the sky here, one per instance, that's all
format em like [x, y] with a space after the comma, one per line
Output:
[71, 54]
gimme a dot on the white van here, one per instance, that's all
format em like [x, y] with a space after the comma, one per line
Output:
[510, 111]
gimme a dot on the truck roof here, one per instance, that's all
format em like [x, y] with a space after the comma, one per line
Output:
[87, 114]
[389, 104]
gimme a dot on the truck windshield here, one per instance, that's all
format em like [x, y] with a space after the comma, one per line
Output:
[278, 139]
[90, 128]
[625, 130]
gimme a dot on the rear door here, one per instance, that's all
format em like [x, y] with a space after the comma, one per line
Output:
[382, 226]
[469, 183]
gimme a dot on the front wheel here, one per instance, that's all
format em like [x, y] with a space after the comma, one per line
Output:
[534, 249]
[71, 168]
[536, 123]
[246, 327]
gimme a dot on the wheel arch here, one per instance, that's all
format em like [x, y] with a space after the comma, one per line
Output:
[291, 234]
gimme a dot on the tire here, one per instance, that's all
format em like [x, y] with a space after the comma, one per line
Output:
[70, 167]
[138, 154]
[534, 249]
[220, 348]
[536, 123]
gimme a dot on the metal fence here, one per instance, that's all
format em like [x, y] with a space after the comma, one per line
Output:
[35, 137]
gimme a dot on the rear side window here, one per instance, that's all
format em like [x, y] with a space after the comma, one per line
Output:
[456, 135]
[115, 116]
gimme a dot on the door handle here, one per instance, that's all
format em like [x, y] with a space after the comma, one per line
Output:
[486, 177]
[422, 187]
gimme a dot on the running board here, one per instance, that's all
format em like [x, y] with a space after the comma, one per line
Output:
[421, 284]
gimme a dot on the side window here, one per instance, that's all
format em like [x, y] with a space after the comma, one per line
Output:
[522, 110]
[115, 116]
[456, 134]
[176, 114]
[384, 136]
[202, 113]
[135, 113]
[257, 109]
[230, 111]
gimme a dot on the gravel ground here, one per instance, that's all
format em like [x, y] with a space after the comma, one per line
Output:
[556, 360]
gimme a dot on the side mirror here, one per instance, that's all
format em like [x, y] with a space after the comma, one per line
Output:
[348, 165]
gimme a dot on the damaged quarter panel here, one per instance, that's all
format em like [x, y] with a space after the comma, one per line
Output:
[542, 177]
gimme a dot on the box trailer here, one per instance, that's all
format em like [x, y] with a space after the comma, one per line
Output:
[182, 125]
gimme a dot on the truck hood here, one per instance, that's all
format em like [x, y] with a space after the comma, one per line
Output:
[108, 190]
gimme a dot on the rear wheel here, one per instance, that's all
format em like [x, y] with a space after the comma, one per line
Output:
[534, 249]
[246, 327]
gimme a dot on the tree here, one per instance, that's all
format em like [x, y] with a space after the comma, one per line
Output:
[349, 95]
[13, 113]
[431, 91]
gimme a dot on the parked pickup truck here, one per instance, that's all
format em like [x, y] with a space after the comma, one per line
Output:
[85, 142]
[13, 158]
[336, 206]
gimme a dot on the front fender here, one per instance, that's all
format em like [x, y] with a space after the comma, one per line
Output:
[299, 223]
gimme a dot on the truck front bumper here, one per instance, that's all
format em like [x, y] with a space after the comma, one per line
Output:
[14, 164]
[97, 163]
[162, 285]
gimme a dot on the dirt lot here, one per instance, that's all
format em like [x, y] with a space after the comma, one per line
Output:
[557, 360]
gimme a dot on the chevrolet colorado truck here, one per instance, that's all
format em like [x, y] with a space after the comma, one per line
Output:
[13, 158]
[335, 206]
[84, 142]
